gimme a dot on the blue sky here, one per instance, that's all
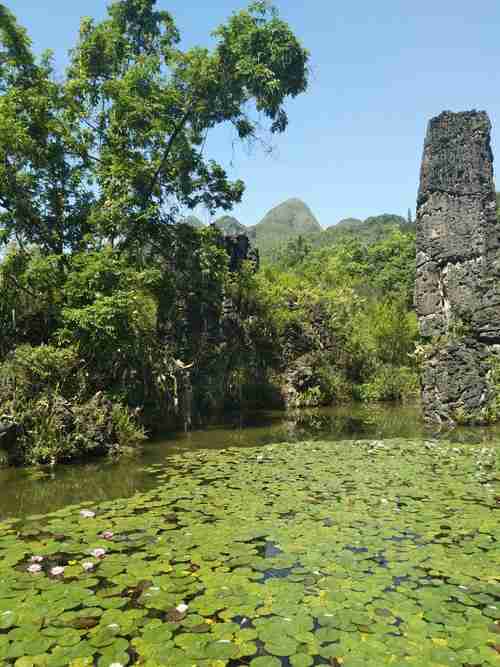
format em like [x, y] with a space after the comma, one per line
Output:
[380, 71]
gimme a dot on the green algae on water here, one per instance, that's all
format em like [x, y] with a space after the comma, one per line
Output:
[346, 553]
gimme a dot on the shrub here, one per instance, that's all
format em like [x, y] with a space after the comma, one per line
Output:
[46, 396]
[52, 429]
[30, 371]
[334, 387]
[391, 384]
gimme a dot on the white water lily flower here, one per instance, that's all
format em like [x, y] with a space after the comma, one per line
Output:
[98, 553]
[34, 569]
[87, 566]
[56, 571]
[87, 514]
[182, 608]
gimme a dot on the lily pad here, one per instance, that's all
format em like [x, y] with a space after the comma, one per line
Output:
[351, 553]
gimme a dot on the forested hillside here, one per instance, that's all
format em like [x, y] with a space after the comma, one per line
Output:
[344, 317]
[375, 228]
[293, 219]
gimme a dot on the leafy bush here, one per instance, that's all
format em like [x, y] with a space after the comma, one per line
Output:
[46, 395]
[52, 429]
[30, 371]
[391, 384]
[29, 297]
[347, 307]
[334, 387]
[309, 398]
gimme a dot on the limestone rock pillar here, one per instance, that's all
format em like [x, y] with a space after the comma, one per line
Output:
[458, 268]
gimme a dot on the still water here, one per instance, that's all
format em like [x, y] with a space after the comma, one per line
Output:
[38, 490]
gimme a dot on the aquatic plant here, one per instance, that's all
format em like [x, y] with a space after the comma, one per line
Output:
[360, 553]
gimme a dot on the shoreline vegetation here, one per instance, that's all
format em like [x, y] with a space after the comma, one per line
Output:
[310, 328]
[117, 320]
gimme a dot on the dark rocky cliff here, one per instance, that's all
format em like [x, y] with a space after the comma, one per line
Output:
[458, 260]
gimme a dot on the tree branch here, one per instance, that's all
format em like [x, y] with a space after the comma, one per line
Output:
[165, 157]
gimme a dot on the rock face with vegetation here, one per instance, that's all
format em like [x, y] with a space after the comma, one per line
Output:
[458, 250]
[239, 250]
[230, 226]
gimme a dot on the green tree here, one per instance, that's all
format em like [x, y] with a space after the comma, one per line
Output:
[94, 166]
[115, 148]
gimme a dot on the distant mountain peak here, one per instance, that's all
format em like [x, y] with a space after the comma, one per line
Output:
[286, 221]
[348, 222]
[231, 226]
[290, 211]
[294, 200]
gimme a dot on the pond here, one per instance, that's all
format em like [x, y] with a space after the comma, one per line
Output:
[335, 537]
[26, 491]
[68, 484]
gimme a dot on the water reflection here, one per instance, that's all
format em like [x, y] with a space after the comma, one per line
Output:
[32, 491]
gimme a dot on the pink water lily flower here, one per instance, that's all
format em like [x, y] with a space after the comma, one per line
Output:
[34, 569]
[36, 559]
[87, 566]
[56, 571]
[98, 553]
[107, 535]
[87, 514]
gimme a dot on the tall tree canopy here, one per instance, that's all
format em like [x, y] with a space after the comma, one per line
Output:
[115, 148]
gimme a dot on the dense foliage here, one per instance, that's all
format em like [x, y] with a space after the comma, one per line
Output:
[344, 318]
[114, 149]
[115, 316]
[108, 310]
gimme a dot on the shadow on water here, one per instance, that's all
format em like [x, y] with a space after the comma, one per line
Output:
[38, 490]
